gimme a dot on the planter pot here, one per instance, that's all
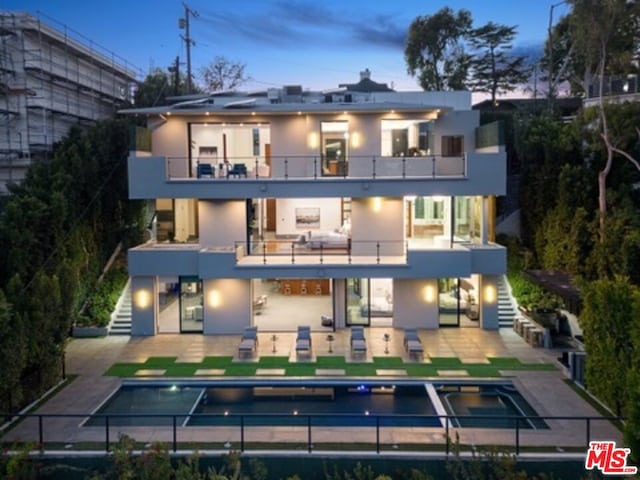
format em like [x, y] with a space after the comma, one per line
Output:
[88, 332]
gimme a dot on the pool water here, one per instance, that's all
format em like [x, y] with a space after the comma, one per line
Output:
[484, 402]
[402, 404]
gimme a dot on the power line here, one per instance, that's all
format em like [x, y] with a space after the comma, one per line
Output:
[183, 23]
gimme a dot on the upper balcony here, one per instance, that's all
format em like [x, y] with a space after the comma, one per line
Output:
[405, 259]
[312, 176]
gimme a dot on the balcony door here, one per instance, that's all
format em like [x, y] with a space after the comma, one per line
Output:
[334, 148]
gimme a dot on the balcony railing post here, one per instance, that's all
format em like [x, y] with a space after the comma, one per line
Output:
[106, 433]
[433, 167]
[293, 253]
[40, 432]
[257, 174]
[286, 168]
[315, 167]
[321, 253]
[378, 252]
[242, 433]
[175, 435]
[374, 166]
[264, 252]
[309, 446]
[588, 430]
[349, 250]
[446, 434]
[404, 167]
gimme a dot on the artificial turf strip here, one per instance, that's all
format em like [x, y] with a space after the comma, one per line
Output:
[356, 369]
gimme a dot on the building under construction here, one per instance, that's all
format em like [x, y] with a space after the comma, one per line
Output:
[50, 79]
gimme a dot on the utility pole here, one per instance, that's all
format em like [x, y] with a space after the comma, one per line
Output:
[175, 70]
[183, 23]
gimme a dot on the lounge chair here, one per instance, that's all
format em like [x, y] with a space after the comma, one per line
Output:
[238, 170]
[303, 340]
[248, 342]
[412, 343]
[358, 340]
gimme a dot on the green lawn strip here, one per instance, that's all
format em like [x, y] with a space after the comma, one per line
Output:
[182, 370]
[273, 362]
[446, 362]
[505, 362]
[388, 362]
[216, 362]
[123, 369]
[330, 362]
[159, 362]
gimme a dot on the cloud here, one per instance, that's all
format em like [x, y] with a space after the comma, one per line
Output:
[313, 24]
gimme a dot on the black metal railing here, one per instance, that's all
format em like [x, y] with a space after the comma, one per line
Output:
[303, 166]
[312, 423]
[318, 251]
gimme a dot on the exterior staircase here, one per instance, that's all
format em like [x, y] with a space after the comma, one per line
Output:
[121, 316]
[507, 305]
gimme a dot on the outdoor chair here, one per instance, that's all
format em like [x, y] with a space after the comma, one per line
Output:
[358, 341]
[238, 169]
[303, 340]
[204, 170]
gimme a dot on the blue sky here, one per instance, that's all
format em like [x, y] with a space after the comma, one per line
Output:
[315, 44]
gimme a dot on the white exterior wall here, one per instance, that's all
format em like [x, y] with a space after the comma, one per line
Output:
[489, 302]
[385, 226]
[144, 306]
[227, 306]
[415, 303]
[222, 223]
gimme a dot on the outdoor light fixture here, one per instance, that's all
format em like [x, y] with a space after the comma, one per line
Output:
[490, 293]
[142, 299]
[376, 204]
[355, 139]
[214, 299]
[313, 140]
[429, 294]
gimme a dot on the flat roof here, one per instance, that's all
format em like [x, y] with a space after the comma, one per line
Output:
[236, 108]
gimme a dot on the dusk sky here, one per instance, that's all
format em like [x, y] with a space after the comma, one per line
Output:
[315, 44]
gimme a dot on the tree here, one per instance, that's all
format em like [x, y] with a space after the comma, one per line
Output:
[223, 74]
[434, 52]
[600, 29]
[494, 70]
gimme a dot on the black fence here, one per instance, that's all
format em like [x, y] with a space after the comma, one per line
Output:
[311, 423]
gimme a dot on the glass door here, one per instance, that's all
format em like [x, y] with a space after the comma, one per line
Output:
[357, 301]
[449, 302]
[191, 305]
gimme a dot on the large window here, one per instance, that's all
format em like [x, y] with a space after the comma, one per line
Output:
[191, 305]
[405, 138]
[452, 145]
[370, 301]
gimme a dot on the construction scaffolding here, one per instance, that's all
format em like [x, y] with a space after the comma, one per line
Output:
[51, 78]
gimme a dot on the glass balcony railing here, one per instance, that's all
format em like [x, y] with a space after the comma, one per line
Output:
[316, 167]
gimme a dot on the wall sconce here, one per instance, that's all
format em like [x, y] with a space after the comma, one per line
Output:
[429, 294]
[376, 204]
[313, 140]
[410, 198]
[490, 293]
[142, 299]
[355, 139]
[214, 299]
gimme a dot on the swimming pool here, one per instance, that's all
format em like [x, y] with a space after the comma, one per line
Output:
[493, 405]
[319, 403]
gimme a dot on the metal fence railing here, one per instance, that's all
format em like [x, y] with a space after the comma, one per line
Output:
[308, 425]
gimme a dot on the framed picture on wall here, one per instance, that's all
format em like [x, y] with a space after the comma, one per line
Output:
[307, 217]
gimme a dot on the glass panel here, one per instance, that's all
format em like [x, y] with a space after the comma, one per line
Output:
[410, 138]
[452, 145]
[168, 305]
[449, 302]
[334, 148]
[462, 220]
[357, 301]
[191, 305]
[381, 302]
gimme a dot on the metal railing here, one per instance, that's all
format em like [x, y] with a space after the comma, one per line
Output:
[311, 423]
[319, 251]
[302, 166]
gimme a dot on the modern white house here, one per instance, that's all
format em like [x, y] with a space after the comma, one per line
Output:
[330, 209]
[51, 78]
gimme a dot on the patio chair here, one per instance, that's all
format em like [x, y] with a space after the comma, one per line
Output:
[303, 339]
[250, 333]
[205, 170]
[410, 335]
[238, 170]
